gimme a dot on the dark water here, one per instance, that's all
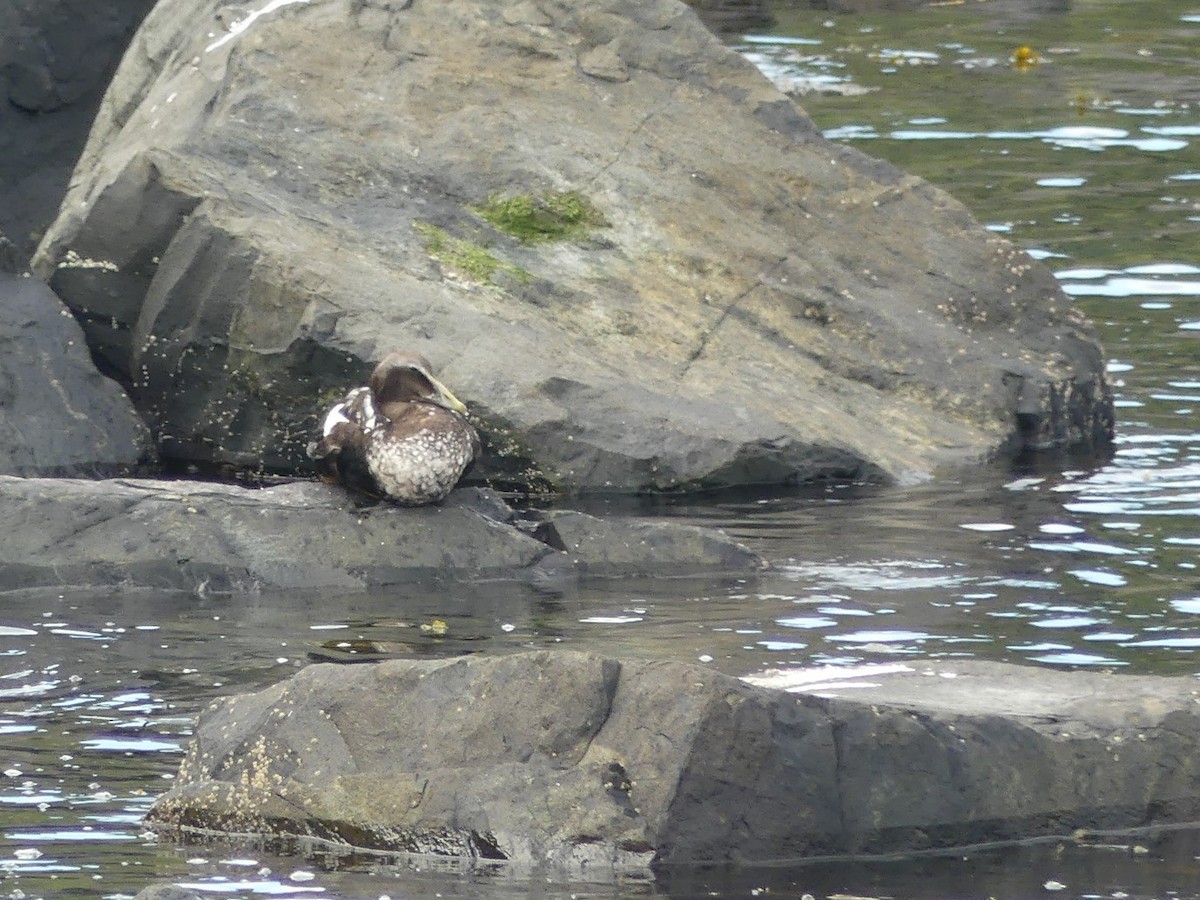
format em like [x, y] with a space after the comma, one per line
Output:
[1091, 161]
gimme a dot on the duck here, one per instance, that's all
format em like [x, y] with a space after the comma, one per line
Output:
[403, 435]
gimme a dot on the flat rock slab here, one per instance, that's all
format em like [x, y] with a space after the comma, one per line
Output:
[604, 765]
[222, 537]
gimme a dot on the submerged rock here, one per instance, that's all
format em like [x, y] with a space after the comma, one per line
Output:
[220, 537]
[58, 415]
[639, 264]
[726, 16]
[601, 764]
[999, 8]
[167, 892]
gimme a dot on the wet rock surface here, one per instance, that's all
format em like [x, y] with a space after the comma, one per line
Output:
[58, 415]
[227, 538]
[640, 265]
[605, 765]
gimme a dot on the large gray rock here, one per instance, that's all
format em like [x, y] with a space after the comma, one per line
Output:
[223, 537]
[56, 58]
[580, 761]
[716, 294]
[58, 415]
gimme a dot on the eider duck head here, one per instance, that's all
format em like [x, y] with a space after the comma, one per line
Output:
[402, 378]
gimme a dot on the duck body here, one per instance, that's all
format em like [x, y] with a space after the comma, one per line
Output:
[403, 435]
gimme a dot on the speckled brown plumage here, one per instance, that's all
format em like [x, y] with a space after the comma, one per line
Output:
[402, 435]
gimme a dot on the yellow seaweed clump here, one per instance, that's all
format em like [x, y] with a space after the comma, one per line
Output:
[1025, 58]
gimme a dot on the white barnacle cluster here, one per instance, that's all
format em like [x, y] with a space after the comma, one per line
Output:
[73, 260]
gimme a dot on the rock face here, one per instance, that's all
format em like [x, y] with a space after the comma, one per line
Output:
[56, 57]
[220, 537]
[58, 415]
[574, 760]
[637, 262]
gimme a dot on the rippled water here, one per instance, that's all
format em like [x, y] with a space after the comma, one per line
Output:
[1089, 159]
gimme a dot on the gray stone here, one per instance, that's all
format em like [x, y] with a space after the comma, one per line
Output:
[616, 544]
[230, 538]
[578, 761]
[266, 209]
[58, 415]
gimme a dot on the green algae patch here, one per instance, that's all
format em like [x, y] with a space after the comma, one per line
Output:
[473, 260]
[558, 216]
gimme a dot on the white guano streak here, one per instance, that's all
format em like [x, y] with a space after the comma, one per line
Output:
[238, 27]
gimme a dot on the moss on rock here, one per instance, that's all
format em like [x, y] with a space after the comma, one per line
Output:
[473, 260]
[556, 216]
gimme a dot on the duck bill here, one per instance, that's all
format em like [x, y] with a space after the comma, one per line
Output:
[448, 399]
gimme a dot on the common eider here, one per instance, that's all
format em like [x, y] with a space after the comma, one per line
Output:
[403, 435]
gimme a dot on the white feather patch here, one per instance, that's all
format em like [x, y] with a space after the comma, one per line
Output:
[370, 419]
[333, 418]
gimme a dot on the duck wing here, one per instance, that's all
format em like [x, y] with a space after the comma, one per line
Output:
[340, 454]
